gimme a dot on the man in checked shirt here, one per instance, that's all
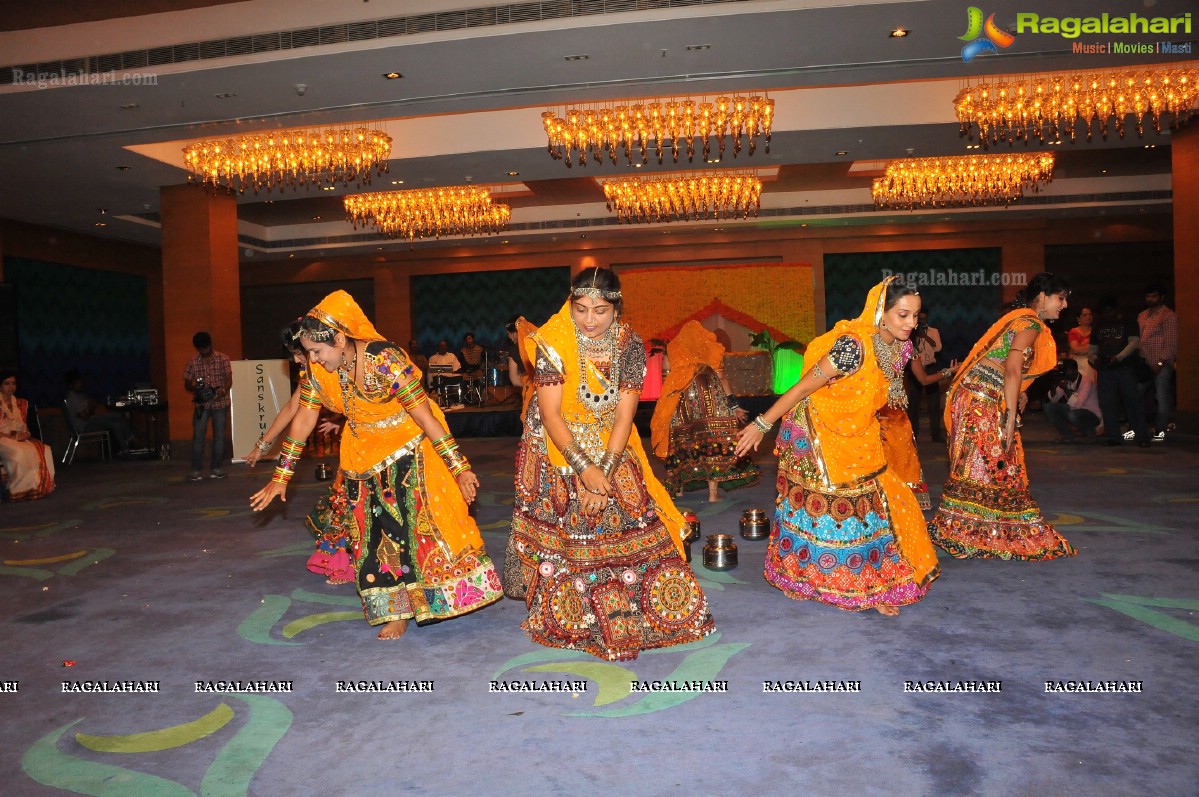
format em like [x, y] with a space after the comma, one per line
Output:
[208, 378]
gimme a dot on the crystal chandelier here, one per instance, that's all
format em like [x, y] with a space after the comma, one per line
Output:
[293, 158]
[1050, 106]
[429, 212]
[963, 180]
[684, 197]
[634, 128]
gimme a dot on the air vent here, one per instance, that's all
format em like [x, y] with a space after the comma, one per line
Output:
[484, 16]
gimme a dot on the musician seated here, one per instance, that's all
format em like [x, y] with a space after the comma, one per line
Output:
[472, 358]
[444, 357]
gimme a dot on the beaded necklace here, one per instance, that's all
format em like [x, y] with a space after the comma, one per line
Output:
[346, 381]
[891, 362]
[600, 403]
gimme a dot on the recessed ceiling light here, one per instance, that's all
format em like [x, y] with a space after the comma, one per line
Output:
[713, 160]
[1151, 146]
[392, 75]
[103, 211]
[268, 202]
[899, 33]
[1103, 171]
[129, 106]
[226, 95]
[841, 152]
[316, 218]
[101, 224]
[513, 174]
[576, 57]
[293, 254]
[694, 47]
[124, 168]
[328, 188]
[397, 182]
[638, 165]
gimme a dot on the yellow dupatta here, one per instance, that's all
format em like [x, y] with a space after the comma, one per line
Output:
[693, 349]
[525, 328]
[386, 432]
[1044, 354]
[556, 341]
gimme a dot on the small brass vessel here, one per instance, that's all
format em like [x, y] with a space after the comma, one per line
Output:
[720, 552]
[755, 525]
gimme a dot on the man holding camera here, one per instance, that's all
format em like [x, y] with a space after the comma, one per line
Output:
[208, 377]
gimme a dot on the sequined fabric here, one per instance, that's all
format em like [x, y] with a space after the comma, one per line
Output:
[703, 435]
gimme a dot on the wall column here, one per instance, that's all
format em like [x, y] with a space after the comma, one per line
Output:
[1185, 182]
[393, 304]
[201, 286]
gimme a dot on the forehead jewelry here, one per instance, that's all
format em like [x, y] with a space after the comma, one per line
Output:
[594, 292]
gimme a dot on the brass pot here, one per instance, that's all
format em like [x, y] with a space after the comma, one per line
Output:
[720, 552]
[754, 524]
[692, 521]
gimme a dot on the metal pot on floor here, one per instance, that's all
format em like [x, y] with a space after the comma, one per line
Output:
[720, 552]
[755, 525]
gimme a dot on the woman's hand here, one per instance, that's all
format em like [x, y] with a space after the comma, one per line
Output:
[262, 499]
[468, 483]
[329, 427]
[741, 415]
[1022, 403]
[595, 490]
[253, 457]
[748, 440]
[1009, 430]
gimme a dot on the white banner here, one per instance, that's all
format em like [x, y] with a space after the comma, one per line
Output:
[260, 389]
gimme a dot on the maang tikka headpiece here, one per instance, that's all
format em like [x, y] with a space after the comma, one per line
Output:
[323, 335]
[594, 292]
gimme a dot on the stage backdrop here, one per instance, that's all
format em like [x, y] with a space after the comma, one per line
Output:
[260, 389]
[961, 288]
[777, 297]
[447, 306]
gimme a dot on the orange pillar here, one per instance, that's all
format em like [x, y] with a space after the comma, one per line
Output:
[1185, 179]
[201, 286]
[393, 304]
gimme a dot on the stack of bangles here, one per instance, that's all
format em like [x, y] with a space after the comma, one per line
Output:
[447, 448]
[764, 426]
[411, 395]
[264, 445]
[578, 460]
[289, 457]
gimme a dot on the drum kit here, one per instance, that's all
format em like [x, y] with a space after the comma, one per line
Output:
[473, 388]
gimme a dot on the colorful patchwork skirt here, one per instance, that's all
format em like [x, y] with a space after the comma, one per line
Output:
[402, 567]
[326, 521]
[611, 585]
[703, 436]
[842, 547]
[985, 509]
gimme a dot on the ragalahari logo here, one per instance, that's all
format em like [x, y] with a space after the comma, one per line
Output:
[982, 37]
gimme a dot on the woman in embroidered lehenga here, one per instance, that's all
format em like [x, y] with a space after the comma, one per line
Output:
[28, 462]
[847, 532]
[598, 539]
[331, 557]
[986, 510]
[417, 553]
[695, 421]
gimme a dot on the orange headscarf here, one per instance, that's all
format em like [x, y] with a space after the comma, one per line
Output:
[1044, 352]
[556, 341]
[385, 429]
[693, 349]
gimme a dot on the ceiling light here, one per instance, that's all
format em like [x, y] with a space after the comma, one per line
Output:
[397, 182]
[841, 152]
[289, 157]
[392, 75]
[101, 224]
[1046, 106]
[633, 127]
[513, 174]
[316, 218]
[103, 211]
[429, 212]
[686, 197]
[962, 180]
[899, 33]
[328, 188]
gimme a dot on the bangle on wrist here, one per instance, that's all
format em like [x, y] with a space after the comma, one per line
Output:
[576, 458]
[764, 426]
[607, 462]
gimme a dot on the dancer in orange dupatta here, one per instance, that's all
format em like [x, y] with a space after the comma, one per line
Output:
[899, 440]
[598, 538]
[986, 510]
[695, 420]
[417, 554]
[847, 531]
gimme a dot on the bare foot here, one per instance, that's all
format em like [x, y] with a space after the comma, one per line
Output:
[713, 493]
[336, 581]
[395, 629]
[887, 611]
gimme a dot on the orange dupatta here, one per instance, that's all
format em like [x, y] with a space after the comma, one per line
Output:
[390, 431]
[694, 348]
[556, 341]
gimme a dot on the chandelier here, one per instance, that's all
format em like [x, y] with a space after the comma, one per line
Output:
[684, 197]
[1048, 106]
[633, 130]
[289, 158]
[964, 180]
[429, 212]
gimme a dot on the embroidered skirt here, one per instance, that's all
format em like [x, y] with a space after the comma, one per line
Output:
[703, 435]
[986, 510]
[612, 584]
[326, 521]
[402, 567]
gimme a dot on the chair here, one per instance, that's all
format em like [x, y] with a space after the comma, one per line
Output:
[79, 437]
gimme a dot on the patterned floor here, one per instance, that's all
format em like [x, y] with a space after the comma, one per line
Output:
[131, 575]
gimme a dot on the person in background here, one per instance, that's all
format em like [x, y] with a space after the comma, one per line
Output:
[445, 357]
[82, 415]
[926, 342]
[1079, 337]
[986, 510]
[418, 359]
[1114, 344]
[28, 462]
[208, 377]
[1158, 326]
[1073, 406]
[472, 357]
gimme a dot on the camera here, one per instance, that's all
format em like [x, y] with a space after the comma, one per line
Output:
[203, 393]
